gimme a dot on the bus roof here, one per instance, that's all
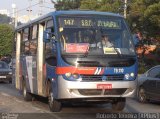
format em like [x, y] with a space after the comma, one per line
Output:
[69, 12]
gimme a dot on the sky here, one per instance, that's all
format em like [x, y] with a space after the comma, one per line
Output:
[21, 5]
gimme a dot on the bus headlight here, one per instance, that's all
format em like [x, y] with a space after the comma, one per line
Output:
[68, 75]
[132, 74]
[71, 76]
[129, 76]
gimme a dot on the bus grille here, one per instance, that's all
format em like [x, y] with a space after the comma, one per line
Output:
[102, 78]
[87, 92]
[3, 73]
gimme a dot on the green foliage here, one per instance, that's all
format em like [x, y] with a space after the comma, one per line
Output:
[101, 5]
[4, 19]
[152, 18]
[89, 4]
[146, 15]
[6, 39]
[67, 4]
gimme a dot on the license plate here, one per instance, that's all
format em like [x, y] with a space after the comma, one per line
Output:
[2, 76]
[104, 86]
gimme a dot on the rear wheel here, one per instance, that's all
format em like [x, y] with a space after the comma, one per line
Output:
[54, 105]
[26, 95]
[119, 104]
[141, 95]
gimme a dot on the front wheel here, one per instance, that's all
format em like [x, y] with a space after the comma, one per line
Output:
[119, 104]
[54, 105]
[142, 96]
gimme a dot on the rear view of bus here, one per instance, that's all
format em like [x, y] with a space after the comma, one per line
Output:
[87, 70]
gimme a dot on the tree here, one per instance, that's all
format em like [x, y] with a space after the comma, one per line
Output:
[102, 5]
[152, 19]
[6, 39]
[4, 19]
[145, 15]
[67, 4]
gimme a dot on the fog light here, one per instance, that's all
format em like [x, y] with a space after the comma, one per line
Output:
[126, 76]
[76, 76]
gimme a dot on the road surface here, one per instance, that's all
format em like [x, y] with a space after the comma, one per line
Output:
[11, 101]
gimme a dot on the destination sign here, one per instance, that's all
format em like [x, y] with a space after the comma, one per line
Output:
[72, 22]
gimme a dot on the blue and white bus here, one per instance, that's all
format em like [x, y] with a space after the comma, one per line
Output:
[58, 56]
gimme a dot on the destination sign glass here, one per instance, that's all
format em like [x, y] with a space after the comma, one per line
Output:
[89, 22]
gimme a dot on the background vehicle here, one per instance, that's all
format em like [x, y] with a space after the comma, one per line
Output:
[149, 85]
[5, 72]
[57, 57]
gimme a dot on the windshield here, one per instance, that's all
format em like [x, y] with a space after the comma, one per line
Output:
[3, 65]
[94, 35]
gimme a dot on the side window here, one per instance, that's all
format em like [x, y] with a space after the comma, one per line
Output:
[50, 55]
[48, 46]
[158, 73]
[154, 72]
[34, 32]
[25, 40]
[34, 39]
[49, 24]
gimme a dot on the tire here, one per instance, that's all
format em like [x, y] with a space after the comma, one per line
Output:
[141, 95]
[119, 104]
[54, 105]
[26, 95]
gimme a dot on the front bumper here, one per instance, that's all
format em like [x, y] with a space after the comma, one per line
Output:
[7, 77]
[75, 89]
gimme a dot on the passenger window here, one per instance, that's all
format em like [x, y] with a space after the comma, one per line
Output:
[25, 40]
[33, 47]
[34, 32]
[25, 34]
[49, 24]
[34, 40]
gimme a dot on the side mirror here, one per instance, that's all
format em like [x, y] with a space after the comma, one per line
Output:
[47, 36]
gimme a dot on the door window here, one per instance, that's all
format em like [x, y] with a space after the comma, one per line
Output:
[154, 73]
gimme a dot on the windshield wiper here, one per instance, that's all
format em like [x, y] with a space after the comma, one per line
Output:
[117, 51]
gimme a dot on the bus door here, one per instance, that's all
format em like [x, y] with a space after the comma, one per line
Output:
[32, 59]
[29, 57]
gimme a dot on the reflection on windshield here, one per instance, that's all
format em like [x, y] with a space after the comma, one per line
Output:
[96, 40]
